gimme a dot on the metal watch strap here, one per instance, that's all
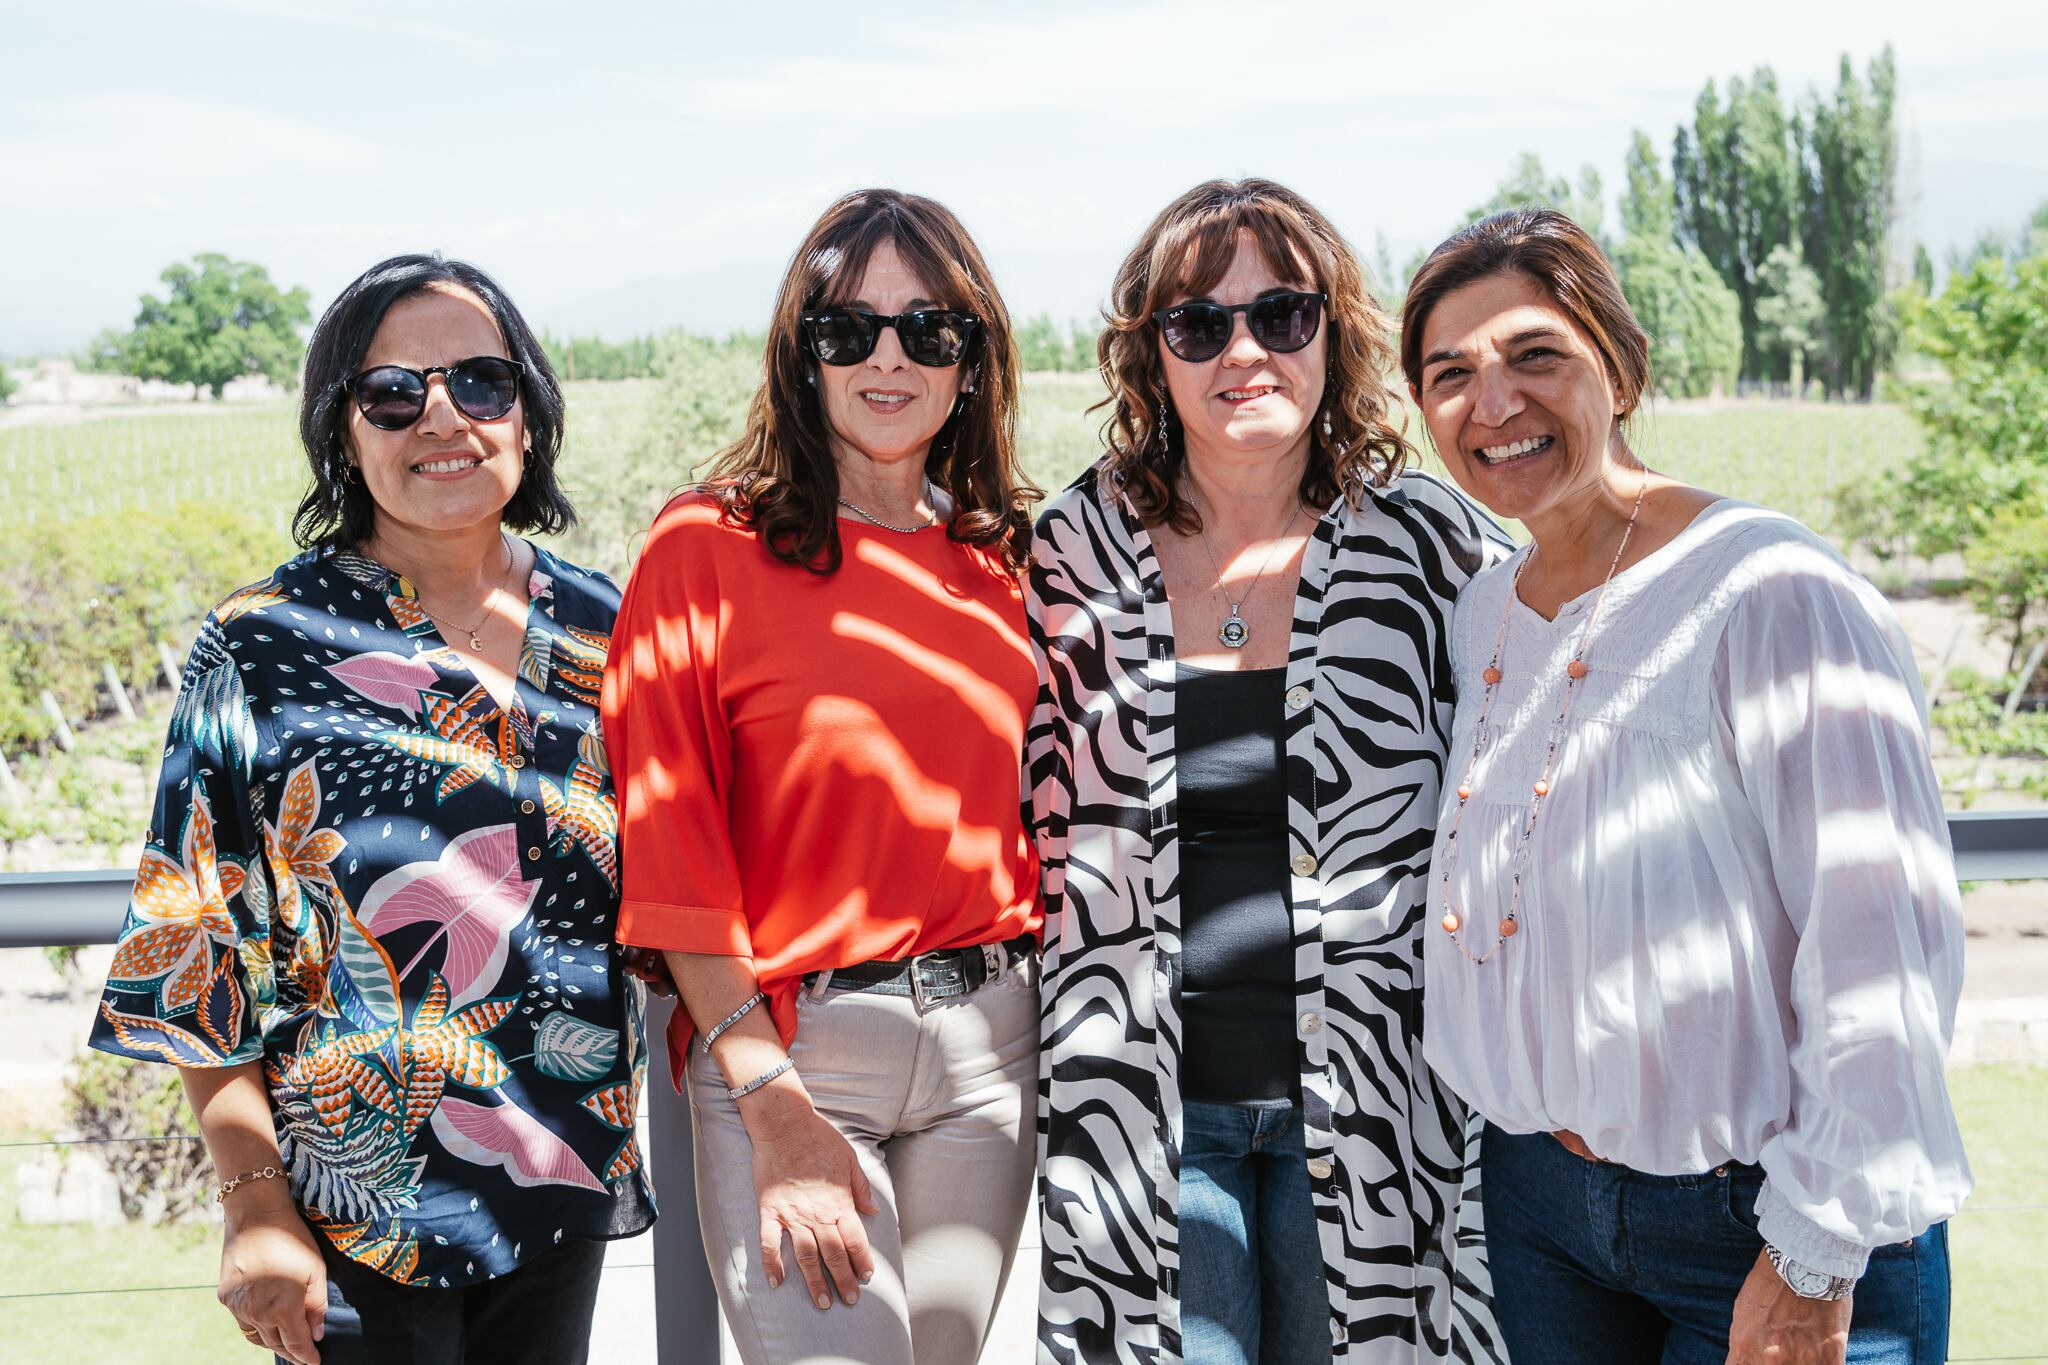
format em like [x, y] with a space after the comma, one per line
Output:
[1807, 1282]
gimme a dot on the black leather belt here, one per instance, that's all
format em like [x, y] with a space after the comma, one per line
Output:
[931, 977]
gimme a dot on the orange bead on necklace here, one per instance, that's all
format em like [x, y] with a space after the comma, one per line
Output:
[1574, 674]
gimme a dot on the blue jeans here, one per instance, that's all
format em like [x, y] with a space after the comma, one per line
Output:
[539, 1314]
[1597, 1264]
[1252, 1285]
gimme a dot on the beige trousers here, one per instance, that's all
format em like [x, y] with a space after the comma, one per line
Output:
[939, 1109]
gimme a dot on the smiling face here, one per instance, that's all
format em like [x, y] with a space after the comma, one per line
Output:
[447, 471]
[1247, 400]
[1518, 399]
[887, 408]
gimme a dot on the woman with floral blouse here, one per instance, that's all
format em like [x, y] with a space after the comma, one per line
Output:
[373, 921]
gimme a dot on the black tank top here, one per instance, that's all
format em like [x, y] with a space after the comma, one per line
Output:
[1237, 960]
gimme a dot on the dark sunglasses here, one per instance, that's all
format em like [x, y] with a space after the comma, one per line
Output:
[1278, 322]
[483, 387]
[933, 337]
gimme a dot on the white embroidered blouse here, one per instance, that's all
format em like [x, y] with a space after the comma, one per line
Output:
[1740, 936]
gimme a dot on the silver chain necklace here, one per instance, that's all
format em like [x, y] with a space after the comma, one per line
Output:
[1236, 632]
[930, 494]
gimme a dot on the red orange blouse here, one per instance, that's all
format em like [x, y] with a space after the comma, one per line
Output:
[818, 769]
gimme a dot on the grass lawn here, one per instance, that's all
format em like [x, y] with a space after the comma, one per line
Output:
[2000, 1248]
[1999, 1244]
[175, 1321]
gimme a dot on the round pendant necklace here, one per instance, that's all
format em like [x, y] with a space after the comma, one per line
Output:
[476, 643]
[1235, 630]
[930, 496]
[1574, 674]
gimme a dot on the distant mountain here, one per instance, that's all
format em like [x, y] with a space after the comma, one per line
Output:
[738, 296]
[1958, 200]
[733, 298]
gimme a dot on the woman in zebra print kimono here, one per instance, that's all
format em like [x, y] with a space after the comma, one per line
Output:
[1233, 788]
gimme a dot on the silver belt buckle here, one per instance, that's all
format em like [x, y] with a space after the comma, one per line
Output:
[955, 984]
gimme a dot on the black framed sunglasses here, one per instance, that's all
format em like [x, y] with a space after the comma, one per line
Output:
[391, 397]
[933, 337]
[1279, 322]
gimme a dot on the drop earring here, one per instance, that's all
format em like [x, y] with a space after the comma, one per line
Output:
[1159, 432]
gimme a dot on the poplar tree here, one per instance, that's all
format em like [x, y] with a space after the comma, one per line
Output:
[1848, 163]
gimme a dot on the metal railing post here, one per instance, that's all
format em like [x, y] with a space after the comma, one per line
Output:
[685, 1303]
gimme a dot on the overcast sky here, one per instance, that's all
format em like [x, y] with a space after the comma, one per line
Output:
[614, 162]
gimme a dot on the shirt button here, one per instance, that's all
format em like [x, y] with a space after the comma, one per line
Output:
[1319, 1169]
[533, 855]
[1297, 697]
[526, 807]
[1311, 1022]
[1304, 865]
[516, 761]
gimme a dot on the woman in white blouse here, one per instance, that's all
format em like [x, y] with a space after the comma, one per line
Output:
[1695, 943]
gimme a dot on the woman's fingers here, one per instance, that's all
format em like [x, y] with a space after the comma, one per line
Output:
[804, 1242]
[315, 1305]
[863, 1193]
[858, 1253]
[837, 1263]
[295, 1340]
[771, 1247]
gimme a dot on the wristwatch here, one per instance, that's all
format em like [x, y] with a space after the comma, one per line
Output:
[1806, 1282]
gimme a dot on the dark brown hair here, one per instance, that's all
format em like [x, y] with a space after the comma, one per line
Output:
[1185, 251]
[337, 510]
[780, 478]
[1565, 263]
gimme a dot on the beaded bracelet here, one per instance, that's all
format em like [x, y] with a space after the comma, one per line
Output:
[228, 1187]
[711, 1034]
[770, 1074]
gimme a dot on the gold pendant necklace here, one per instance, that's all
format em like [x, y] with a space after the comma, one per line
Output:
[1574, 674]
[476, 643]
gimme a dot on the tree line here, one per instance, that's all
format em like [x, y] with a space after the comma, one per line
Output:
[1763, 256]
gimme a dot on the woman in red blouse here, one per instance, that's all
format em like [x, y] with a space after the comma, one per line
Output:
[815, 709]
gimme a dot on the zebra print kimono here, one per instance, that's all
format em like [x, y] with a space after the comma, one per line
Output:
[1368, 715]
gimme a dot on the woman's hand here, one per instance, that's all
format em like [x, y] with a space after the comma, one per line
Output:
[810, 1186]
[1774, 1326]
[650, 965]
[271, 1275]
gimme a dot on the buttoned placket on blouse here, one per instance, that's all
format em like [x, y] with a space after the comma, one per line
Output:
[519, 786]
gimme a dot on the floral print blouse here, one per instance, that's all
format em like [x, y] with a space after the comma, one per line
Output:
[399, 898]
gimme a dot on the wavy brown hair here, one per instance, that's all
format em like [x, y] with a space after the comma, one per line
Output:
[780, 478]
[1185, 251]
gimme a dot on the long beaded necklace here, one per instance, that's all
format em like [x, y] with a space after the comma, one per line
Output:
[1574, 674]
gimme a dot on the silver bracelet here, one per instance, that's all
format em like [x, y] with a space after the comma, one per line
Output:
[711, 1035]
[770, 1074]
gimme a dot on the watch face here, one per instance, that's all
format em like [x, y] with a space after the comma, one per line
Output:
[1810, 1284]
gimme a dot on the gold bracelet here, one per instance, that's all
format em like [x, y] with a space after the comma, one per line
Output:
[267, 1173]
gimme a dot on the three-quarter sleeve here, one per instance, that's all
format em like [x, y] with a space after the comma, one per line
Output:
[193, 963]
[1821, 703]
[670, 749]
